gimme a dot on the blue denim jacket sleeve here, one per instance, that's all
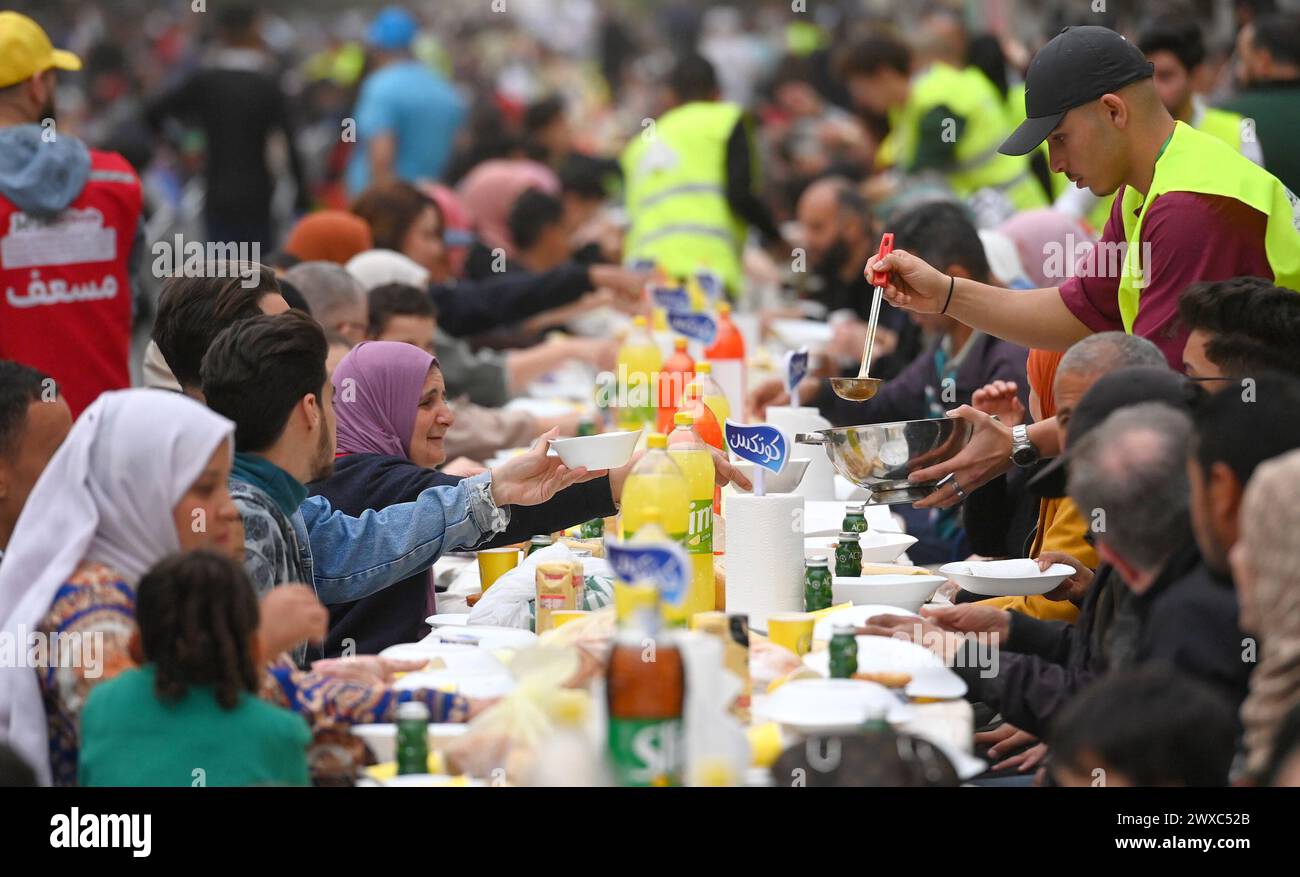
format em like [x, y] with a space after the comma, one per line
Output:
[356, 557]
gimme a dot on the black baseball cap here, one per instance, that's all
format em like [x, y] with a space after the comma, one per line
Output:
[1079, 65]
[1120, 389]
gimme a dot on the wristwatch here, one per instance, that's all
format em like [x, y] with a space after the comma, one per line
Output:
[1023, 452]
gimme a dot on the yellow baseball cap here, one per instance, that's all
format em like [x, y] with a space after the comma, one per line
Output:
[25, 50]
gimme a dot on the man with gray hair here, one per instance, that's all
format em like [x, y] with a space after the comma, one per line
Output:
[1129, 479]
[336, 299]
[1126, 470]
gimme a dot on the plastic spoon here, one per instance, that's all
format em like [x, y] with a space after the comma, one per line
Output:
[863, 387]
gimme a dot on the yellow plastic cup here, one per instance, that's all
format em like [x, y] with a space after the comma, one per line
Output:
[561, 617]
[493, 563]
[793, 630]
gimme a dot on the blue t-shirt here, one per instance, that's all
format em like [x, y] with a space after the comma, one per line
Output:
[131, 738]
[421, 109]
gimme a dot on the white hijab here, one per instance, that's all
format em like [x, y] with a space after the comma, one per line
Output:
[378, 267]
[107, 495]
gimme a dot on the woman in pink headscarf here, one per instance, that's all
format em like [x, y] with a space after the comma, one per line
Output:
[1046, 239]
[490, 190]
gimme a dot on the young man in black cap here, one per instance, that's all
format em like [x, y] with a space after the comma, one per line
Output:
[1189, 208]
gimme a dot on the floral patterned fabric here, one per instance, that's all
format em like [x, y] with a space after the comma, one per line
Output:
[94, 611]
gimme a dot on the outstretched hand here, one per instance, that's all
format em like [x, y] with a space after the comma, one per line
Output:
[533, 477]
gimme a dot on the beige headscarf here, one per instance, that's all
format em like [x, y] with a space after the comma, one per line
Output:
[1270, 519]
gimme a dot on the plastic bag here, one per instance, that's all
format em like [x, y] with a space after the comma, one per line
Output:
[501, 742]
[509, 602]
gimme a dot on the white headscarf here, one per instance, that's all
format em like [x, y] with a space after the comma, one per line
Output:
[378, 267]
[107, 495]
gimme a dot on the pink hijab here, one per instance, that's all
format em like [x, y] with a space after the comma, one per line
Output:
[376, 393]
[491, 189]
[1037, 234]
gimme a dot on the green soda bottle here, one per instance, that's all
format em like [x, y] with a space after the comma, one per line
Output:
[843, 651]
[412, 738]
[848, 556]
[855, 519]
[817, 584]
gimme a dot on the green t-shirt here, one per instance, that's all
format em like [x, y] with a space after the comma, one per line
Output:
[131, 738]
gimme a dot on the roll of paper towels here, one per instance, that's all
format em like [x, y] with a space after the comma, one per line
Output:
[764, 555]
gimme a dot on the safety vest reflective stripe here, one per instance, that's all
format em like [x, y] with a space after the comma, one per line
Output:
[687, 229]
[684, 189]
[102, 176]
[1201, 164]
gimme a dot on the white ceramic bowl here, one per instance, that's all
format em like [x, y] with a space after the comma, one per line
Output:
[905, 592]
[784, 481]
[448, 619]
[382, 738]
[597, 452]
[1006, 578]
[830, 706]
[877, 546]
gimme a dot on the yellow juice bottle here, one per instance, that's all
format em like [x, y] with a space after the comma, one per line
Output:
[692, 456]
[715, 398]
[657, 483]
[639, 362]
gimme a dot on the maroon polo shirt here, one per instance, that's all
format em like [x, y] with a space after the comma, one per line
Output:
[1192, 238]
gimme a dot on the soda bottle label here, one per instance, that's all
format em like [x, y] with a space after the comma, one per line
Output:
[646, 752]
[699, 536]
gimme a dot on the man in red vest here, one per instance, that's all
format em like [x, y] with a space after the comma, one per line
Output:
[69, 219]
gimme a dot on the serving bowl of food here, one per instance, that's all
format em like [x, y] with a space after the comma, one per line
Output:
[880, 456]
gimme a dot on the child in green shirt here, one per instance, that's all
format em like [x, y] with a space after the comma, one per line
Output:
[189, 715]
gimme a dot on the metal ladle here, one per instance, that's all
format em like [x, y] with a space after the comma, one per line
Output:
[863, 387]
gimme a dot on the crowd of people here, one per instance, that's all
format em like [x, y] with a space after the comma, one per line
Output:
[225, 477]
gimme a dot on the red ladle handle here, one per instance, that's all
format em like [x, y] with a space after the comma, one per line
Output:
[881, 278]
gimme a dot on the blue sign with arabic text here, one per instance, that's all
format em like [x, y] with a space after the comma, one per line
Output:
[670, 298]
[698, 327]
[760, 444]
[665, 564]
[796, 368]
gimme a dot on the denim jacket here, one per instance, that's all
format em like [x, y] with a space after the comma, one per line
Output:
[346, 558]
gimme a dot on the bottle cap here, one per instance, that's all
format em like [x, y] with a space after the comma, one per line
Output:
[412, 710]
[724, 307]
[656, 440]
[639, 322]
[543, 539]
[856, 508]
[850, 537]
[704, 367]
[683, 418]
[679, 344]
[843, 630]
[816, 560]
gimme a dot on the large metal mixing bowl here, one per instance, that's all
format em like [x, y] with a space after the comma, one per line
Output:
[880, 456]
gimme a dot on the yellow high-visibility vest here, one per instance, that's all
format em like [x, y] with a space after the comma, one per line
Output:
[675, 185]
[970, 95]
[1196, 162]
